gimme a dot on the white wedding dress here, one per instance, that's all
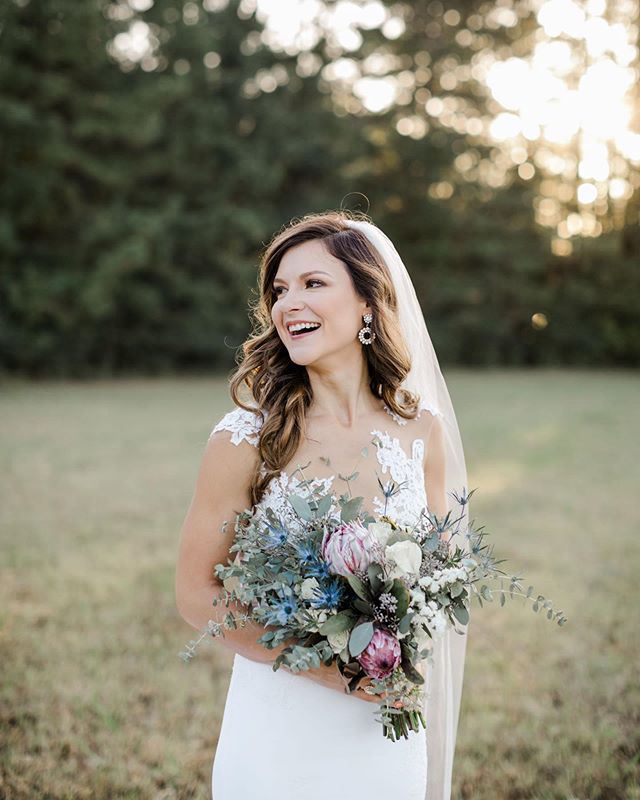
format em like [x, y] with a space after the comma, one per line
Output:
[285, 737]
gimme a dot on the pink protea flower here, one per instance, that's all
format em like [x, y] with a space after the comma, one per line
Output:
[382, 655]
[347, 548]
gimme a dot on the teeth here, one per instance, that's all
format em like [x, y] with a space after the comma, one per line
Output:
[302, 326]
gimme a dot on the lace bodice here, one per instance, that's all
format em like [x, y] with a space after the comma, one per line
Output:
[406, 469]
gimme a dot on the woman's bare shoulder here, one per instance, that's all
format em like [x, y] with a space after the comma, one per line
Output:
[244, 425]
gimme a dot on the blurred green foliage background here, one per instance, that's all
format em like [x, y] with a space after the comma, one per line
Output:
[150, 150]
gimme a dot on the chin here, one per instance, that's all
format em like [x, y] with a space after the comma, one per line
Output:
[301, 358]
[301, 361]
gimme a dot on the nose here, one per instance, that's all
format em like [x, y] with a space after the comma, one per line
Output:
[291, 301]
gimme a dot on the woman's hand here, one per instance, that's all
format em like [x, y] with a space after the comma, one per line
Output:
[328, 676]
[373, 698]
[331, 678]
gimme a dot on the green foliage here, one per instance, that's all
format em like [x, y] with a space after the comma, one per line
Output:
[338, 623]
[134, 202]
[359, 588]
[360, 637]
[401, 593]
[300, 506]
[350, 509]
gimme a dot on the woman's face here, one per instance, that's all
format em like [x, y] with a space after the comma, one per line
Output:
[313, 286]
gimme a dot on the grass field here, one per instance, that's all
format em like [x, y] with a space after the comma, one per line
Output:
[96, 478]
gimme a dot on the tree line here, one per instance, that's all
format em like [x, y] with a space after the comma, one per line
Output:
[137, 193]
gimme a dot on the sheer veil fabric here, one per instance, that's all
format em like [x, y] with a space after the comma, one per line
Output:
[444, 677]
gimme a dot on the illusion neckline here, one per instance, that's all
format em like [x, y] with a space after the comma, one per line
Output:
[375, 432]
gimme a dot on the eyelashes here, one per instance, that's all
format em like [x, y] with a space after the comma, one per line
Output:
[276, 290]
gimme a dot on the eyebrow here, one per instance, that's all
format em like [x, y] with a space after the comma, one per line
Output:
[304, 275]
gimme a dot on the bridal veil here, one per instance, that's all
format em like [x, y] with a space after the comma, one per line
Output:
[444, 676]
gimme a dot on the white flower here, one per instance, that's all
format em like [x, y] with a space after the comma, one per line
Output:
[422, 638]
[406, 556]
[318, 617]
[381, 531]
[439, 624]
[429, 584]
[338, 641]
[306, 588]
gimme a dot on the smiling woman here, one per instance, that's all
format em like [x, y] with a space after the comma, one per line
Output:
[304, 304]
[348, 279]
[335, 359]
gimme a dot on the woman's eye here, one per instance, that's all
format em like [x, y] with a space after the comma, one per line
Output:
[278, 289]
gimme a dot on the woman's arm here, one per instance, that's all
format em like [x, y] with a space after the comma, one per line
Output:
[222, 489]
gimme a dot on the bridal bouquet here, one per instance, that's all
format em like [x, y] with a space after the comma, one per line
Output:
[360, 590]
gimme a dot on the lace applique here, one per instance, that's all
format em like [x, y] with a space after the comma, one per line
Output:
[423, 406]
[408, 473]
[275, 496]
[406, 470]
[242, 424]
[404, 506]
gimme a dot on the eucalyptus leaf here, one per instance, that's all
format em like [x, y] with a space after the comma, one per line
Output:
[360, 637]
[405, 622]
[340, 622]
[363, 606]
[359, 588]
[375, 577]
[300, 506]
[402, 595]
[461, 614]
[351, 509]
[486, 592]
[431, 542]
[412, 673]
[324, 504]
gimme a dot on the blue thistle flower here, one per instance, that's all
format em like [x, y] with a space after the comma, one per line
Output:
[318, 569]
[281, 611]
[278, 534]
[328, 595]
[306, 552]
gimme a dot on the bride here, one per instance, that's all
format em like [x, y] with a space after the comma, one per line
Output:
[343, 388]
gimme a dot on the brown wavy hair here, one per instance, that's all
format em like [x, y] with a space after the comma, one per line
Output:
[281, 388]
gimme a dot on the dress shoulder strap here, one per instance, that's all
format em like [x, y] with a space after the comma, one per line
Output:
[423, 406]
[244, 425]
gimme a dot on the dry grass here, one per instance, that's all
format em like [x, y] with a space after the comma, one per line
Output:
[96, 478]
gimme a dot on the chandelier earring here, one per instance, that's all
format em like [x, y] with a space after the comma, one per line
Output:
[366, 335]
